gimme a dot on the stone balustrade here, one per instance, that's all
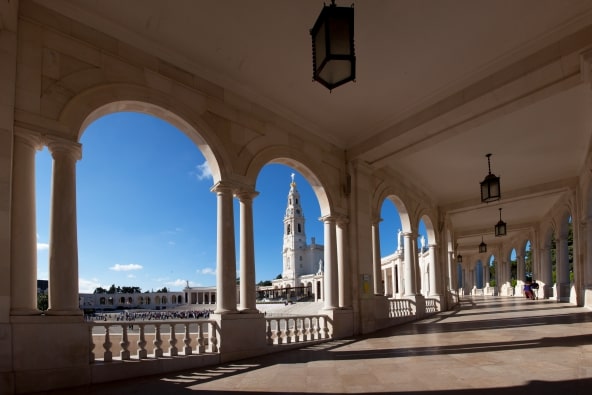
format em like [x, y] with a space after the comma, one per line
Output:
[125, 340]
[297, 329]
[400, 308]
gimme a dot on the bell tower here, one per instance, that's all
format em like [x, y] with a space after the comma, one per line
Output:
[294, 235]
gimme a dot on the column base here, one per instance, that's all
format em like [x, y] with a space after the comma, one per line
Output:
[25, 311]
[51, 311]
[248, 311]
[225, 311]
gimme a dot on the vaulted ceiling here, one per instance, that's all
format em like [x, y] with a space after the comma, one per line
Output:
[439, 85]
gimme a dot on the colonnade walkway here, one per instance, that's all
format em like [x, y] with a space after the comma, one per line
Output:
[488, 345]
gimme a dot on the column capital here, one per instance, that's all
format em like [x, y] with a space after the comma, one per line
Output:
[57, 145]
[375, 220]
[223, 186]
[33, 139]
[246, 194]
[330, 218]
[341, 219]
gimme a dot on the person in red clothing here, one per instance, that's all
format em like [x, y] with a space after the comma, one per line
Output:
[528, 289]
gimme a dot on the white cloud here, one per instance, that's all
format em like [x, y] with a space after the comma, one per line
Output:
[42, 246]
[178, 283]
[131, 276]
[88, 286]
[203, 171]
[207, 270]
[172, 243]
[126, 268]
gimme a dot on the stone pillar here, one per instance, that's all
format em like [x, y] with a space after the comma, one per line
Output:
[408, 263]
[394, 278]
[433, 271]
[330, 276]
[343, 266]
[562, 267]
[247, 252]
[63, 243]
[376, 256]
[226, 258]
[23, 271]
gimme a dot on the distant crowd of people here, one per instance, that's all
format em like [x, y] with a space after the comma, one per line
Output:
[128, 316]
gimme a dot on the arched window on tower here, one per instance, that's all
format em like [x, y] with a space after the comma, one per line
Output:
[288, 230]
[299, 229]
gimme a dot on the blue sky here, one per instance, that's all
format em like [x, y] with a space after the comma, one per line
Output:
[147, 218]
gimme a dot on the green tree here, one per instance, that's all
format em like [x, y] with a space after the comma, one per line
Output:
[264, 283]
[42, 302]
[162, 290]
[100, 290]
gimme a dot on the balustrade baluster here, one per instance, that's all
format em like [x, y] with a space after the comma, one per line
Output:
[325, 328]
[200, 348]
[289, 331]
[213, 337]
[124, 353]
[187, 340]
[157, 342]
[279, 334]
[142, 353]
[107, 355]
[173, 352]
[91, 345]
[305, 329]
[269, 332]
[297, 329]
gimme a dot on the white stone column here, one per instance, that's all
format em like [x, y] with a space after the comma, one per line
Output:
[433, 271]
[331, 296]
[376, 256]
[343, 267]
[587, 272]
[408, 263]
[393, 278]
[247, 252]
[562, 267]
[63, 243]
[520, 273]
[226, 257]
[23, 271]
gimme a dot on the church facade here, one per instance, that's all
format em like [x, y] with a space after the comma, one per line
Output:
[302, 263]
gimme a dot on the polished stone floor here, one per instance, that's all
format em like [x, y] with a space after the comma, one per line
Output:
[489, 345]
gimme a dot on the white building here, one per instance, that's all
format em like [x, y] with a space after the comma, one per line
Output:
[302, 263]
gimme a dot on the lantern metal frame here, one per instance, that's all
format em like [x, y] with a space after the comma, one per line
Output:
[333, 46]
[500, 227]
[459, 258]
[490, 186]
[482, 246]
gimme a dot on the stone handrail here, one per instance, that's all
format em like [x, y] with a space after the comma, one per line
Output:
[125, 340]
[400, 308]
[297, 329]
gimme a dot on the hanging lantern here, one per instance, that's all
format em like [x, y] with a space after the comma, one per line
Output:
[490, 186]
[500, 228]
[333, 58]
[482, 246]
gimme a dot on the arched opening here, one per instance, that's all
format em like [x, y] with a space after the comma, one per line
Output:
[288, 201]
[153, 212]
